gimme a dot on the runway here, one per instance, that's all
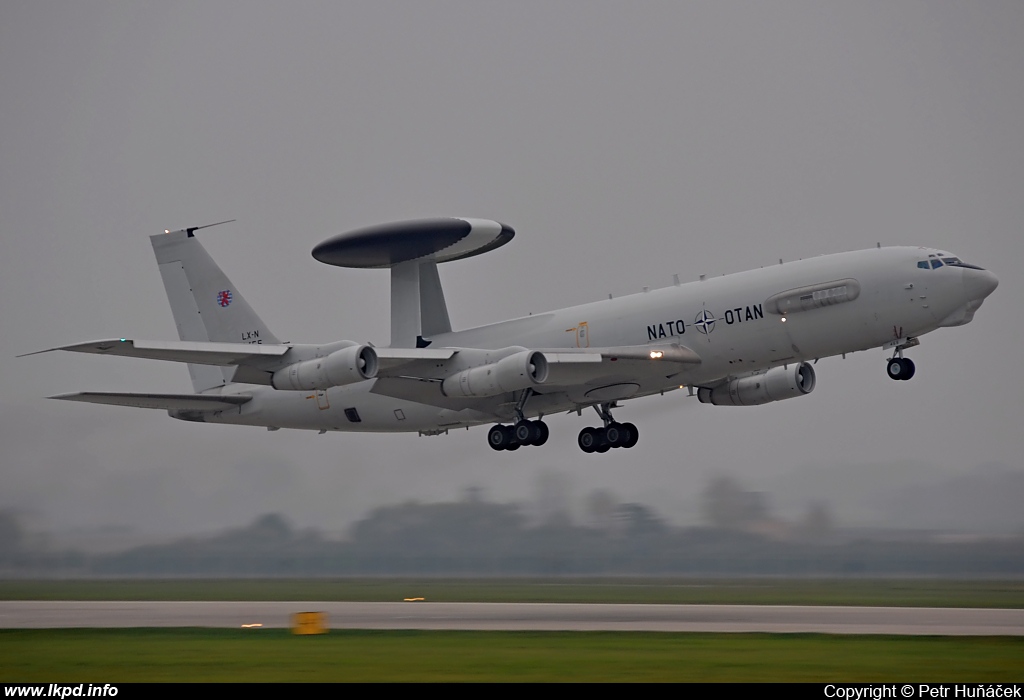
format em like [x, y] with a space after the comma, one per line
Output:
[519, 616]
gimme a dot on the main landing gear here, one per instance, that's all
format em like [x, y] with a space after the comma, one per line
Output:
[535, 432]
[523, 434]
[613, 434]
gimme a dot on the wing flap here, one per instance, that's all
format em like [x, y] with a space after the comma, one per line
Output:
[179, 402]
[410, 361]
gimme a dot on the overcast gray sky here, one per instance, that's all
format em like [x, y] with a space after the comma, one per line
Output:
[624, 142]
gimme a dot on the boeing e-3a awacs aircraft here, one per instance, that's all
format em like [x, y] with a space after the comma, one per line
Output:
[737, 340]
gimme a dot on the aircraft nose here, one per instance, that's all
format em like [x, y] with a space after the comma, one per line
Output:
[979, 284]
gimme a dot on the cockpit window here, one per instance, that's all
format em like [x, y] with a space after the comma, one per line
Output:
[934, 262]
[957, 262]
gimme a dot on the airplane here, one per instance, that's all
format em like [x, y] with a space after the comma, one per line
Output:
[741, 339]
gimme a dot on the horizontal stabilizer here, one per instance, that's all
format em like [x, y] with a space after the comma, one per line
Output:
[170, 402]
[203, 353]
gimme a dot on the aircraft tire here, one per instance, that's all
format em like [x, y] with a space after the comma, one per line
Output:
[525, 432]
[908, 368]
[588, 440]
[541, 434]
[632, 435]
[499, 437]
[614, 435]
[895, 369]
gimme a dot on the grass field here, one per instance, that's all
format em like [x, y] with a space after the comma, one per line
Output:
[188, 654]
[888, 592]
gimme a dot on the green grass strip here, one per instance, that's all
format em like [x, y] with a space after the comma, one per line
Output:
[190, 654]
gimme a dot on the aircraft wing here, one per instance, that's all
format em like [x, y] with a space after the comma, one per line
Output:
[669, 352]
[407, 361]
[407, 376]
[180, 402]
[576, 367]
[202, 353]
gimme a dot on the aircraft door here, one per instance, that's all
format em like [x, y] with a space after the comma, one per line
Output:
[582, 335]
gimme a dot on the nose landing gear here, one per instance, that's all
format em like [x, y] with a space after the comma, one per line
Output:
[900, 368]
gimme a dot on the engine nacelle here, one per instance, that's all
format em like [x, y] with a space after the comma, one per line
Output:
[519, 371]
[776, 384]
[355, 363]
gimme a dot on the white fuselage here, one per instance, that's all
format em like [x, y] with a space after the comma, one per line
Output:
[738, 324]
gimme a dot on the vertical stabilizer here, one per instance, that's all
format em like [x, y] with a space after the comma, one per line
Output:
[206, 306]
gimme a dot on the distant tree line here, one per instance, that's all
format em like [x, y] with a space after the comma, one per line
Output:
[477, 537]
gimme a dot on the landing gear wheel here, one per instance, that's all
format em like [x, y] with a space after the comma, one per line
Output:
[500, 437]
[542, 433]
[614, 435]
[631, 435]
[895, 369]
[602, 440]
[587, 440]
[908, 368]
[900, 368]
[524, 432]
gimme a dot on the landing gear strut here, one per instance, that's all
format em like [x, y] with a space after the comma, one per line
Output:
[612, 434]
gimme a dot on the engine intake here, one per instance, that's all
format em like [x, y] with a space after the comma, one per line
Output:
[355, 363]
[776, 384]
[519, 371]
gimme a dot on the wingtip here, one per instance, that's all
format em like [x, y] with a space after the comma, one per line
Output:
[35, 352]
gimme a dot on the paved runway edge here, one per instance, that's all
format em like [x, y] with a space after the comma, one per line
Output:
[519, 616]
